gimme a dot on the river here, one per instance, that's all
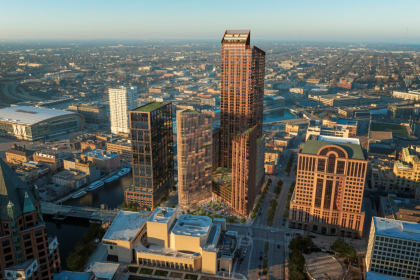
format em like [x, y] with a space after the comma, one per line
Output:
[71, 230]
[278, 116]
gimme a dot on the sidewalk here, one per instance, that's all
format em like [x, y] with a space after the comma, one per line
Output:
[99, 255]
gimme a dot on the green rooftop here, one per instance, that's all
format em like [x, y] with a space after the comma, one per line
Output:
[395, 128]
[312, 147]
[151, 106]
[220, 170]
[190, 111]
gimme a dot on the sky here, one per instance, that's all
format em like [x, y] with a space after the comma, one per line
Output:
[368, 21]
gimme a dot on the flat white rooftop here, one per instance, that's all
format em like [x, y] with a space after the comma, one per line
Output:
[27, 115]
[162, 215]
[397, 229]
[191, 225]
[104, 270]
[126, 225]
[341, 140]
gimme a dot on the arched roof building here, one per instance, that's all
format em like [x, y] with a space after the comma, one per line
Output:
[34, 123]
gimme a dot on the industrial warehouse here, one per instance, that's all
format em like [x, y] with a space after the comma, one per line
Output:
[34, 123]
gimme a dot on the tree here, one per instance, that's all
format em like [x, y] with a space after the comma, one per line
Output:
[148, 208]
[252, 215]
[300, 243]
[124, 205]
[296, 265]
[271, 213]
[134, 208]
[296, 275]
[183, 212]
[129, 205]
[164, 199]
[243, 220]
[188, 211]
[344, 249]
[172, 206]
[269, 181]
[174, 188]
[75, 262]
[273, 203]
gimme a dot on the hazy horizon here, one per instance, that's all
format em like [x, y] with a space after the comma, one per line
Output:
[357, 21]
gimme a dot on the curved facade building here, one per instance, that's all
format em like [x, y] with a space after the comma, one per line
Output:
[33, 123]
[331, 175]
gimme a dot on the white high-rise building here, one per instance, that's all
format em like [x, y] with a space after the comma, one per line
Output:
[394, 248]
[121, 100]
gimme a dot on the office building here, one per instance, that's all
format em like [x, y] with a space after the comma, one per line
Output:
[104, 160]
[410, 95]
[93, 113]
[121, 100]
[152, 154]
[327, 199]
[121, 147]
[393, 248]
[18, 154]
[159, 239]
[35, 123]
[194, 143]
[244, 161]
[398, 208]
[53, 162]
[242, 89]
[26, 249]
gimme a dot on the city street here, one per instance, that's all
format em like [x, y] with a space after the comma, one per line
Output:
[259, 232]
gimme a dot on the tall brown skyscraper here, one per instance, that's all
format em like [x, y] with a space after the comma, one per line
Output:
[25, 247]
[194, 143]
[244, 169]
[152, 152]
[330, 181]
[242, 89]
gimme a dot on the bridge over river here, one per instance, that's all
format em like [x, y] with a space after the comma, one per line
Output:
[91, 213]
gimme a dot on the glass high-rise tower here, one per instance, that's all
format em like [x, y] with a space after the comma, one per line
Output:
[152, 154]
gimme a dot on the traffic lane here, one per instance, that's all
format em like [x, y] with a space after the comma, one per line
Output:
[276, 262]
[242, 266]
[255, 261]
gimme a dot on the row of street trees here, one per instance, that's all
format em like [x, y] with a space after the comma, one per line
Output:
[261, 199]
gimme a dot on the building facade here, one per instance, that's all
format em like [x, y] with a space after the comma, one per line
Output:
[93, 113]
[23, 237]
[121, 100]
[103, 159]
[393, 248]
[244, 167]
[152, 154]
[242, 89]
[18, 154]
[331, 174]
[194, 143]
